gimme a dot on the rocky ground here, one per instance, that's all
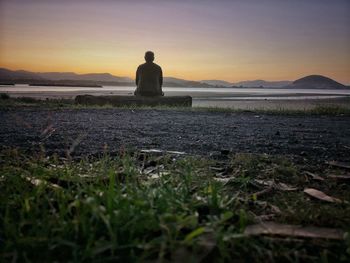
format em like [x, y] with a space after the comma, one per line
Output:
[90, 131]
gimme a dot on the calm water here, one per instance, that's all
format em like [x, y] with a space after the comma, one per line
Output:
[208, 92]
[217, 97]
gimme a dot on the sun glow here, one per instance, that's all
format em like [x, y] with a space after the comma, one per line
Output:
[192, 40]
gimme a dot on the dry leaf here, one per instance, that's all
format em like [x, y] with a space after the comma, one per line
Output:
[263, 192]
[151, 151]
[271, 228]
[321, 195]
[156, 151]
[37, 182]
[265, 182]
[175, 152]
[149, 170]
[265, 217]
[285, 187]
[343, 177]
[314, 176]
[265, 205]
[47, 132]
[217, 169]
[275, 209]
[277, 186]
[339, 164]
[222, 180]
[158, 175]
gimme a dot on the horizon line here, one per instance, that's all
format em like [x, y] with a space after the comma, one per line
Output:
[212, 79]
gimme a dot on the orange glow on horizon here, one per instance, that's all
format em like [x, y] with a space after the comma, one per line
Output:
[197, 42]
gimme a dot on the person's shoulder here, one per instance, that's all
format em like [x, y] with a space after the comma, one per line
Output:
[140, 67]
[157, 66]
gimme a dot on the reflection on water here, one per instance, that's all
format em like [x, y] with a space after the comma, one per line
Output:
[202, 97]
[301, 97]
[182, 90]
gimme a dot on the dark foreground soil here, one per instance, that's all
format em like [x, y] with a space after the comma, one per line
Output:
[92, 131]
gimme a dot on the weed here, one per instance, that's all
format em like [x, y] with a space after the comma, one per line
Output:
[4, 96]
[331, 110]
[108, 208]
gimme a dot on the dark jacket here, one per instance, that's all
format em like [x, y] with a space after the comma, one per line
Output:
[149, 80]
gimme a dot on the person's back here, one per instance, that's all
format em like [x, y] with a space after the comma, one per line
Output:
[149, 78]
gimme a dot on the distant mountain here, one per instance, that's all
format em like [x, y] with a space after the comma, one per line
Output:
[71, 78]
[248, 83]
[176, 82]
[10, 75]
[66, 78]
[220, 83]
[316, 82]
[85, 77]
[262, 83]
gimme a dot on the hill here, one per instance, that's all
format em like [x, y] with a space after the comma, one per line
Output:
[316, 82]
[10, 75]
[57, 78]
[248, 83]
[85, 77]
[107, 79]
[176, 82]
[71, 78]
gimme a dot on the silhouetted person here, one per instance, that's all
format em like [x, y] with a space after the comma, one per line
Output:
[149, 78]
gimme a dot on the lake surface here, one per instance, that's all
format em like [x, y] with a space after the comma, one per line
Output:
[202, 97]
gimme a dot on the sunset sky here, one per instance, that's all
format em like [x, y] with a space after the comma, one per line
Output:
[228, 40]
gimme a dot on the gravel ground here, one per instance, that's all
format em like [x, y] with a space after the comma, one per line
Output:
[89, 131]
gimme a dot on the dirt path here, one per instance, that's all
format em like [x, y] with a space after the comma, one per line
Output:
[87, 131]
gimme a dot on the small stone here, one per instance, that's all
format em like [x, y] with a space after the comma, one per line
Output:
[225, 152]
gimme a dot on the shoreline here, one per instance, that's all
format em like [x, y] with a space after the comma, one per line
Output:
[239, 102]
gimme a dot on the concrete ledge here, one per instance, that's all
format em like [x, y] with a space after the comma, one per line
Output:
[118, 101]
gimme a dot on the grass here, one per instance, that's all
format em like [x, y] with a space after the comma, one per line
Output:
[332, 110]
[7, 102]
[136, 207]
[4, 96]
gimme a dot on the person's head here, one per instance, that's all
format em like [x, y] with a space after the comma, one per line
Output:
[149, 56]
